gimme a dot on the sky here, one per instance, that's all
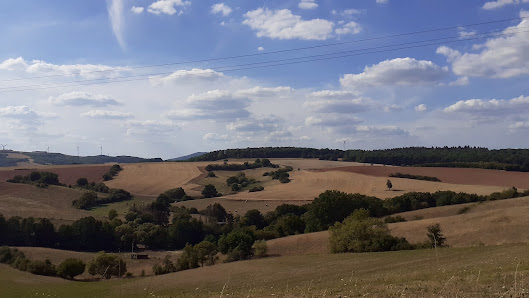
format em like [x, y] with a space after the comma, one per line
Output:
[165, 78]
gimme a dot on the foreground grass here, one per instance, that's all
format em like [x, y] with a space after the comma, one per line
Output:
[470, 272]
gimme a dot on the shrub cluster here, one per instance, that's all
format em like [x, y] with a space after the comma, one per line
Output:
[259, 163]
[416, 177]
[282, 174]
[114, 170]
[239, 181]
[90, 199]
[256, 188]
[97, 187]
[40, 179]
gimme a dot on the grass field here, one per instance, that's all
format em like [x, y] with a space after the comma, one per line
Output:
[465, 272]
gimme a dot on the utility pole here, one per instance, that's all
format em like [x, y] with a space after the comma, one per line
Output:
[78, 156]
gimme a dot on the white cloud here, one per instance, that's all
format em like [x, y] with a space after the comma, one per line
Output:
[462, 81]
[83, 99]
[466, 34]
[351, 11]
[39, 67]
[282, 24]
[185, 75]
[151, 127]
[349, 106]
[381, 130]
[308, 4]
[115, 14]
[259, 91]
[399, 71]
[349, 28]
[18, 112]
[500, 57]
[137, 10]
[103, 114]
[260, 49]
[265, 124]
[382, 1]
[421, 108]
[333, 94]
[500, 3]
[167, 6]
[490, 109]
[221, 8]
[214, 137]
[214, 104]
[333, 120]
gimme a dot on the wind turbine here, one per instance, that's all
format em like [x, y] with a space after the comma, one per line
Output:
[101, 150]
[78, 156]
[3, 146]
[344, 140]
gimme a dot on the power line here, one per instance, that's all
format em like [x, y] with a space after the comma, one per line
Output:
[272, 63]
[274, 52]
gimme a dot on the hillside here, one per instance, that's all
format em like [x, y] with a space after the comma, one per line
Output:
[476, 272]
[186, 157]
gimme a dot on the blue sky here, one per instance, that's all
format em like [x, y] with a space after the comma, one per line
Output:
[89, 74]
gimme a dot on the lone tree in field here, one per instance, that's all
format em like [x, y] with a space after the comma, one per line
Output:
[389, 185]
[436, 236]
[70, 268]
[210, 191]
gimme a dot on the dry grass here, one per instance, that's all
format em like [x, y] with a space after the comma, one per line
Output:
[152, 179]
[239, 206]
[306, 185]
[296, 245]
[53, 202]
[67, 174]
[455, 272]
[490, 223]
[448, 175]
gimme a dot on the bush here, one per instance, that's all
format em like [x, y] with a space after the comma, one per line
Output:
[237, 244]
[82, 182]
[256, 188]
[42, 268]
[391, 219]
[114, 170]
[86, 201]
[435, 236]
[416, 177]
[112, 214]
[70, 268]
[210, 191]
[260, 249]
[211, 175]
[361, 233]
[107, 265]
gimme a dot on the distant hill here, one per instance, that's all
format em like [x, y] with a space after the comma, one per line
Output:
[186, 157]
[42, 157]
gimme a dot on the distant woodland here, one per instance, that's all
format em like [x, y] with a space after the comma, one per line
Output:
[460, 157]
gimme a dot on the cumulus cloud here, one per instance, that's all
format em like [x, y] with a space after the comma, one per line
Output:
[83, 99]
[167, 6]
[115, 14]
[381, 130]
[103, 114]
[421, 108]
[308, 4]
[500, 3]
[186, 75]
[493, 107]
[282, 24]
[349, 106]
[349, 28]
[265, 124]
[137, 9]
[260, 49]
[214, 104]
[18, 112]
[39, 67]
[259, 91]
[221, 8]
[499, 57]
[399, 71]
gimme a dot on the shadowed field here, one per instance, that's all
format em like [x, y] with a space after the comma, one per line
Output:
[67, 174]
[470, 272]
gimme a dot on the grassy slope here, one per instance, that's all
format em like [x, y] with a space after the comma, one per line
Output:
[475, 271]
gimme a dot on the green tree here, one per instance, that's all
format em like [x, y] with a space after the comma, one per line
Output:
[253, 217]
[206, 252]
[389, 184]
[188, 259]
[82, 182]
[435, 235]
[260, 248]
[107, 265]
[210, 191]
[361, 233]
[237, 244]
[42, 268]
[70, 268]
[112, 214]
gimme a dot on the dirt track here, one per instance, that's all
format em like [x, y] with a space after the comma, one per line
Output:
[447, 175]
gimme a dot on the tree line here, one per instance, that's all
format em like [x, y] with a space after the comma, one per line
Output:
[473, 157]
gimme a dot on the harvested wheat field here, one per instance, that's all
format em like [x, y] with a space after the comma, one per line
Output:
[239, 206]
[67, 174]
[306, 185]
[53, 202]
[447, 175]
[313, 163]
[151, 179]
[56, 256]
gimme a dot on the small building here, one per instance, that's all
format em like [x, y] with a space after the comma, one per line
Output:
[139, 256]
